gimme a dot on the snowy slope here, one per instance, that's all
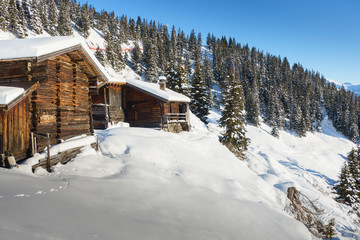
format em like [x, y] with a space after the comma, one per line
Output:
[145, 184]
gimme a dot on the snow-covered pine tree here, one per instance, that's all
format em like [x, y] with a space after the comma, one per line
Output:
[348, 187]
[43, 10]
[136, 56]
[99, 54]
[84, 21]
[233, 116]
[53, 17]
[170, 75]
[14, 22]
[199, 93]
[181, 79]
[35, 20]
[26, 8]
[22, 18]
[4, 4]
[150, 61]
[209, 79]
[64, 25]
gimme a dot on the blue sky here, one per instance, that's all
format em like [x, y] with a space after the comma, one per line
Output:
[323, 35]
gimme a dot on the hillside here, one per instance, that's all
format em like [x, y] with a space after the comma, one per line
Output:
[146, 183]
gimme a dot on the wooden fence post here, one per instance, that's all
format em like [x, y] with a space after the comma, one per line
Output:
[48, 153]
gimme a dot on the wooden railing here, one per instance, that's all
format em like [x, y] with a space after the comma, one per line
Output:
[174, 117]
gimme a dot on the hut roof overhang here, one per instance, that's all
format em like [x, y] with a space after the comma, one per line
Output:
[154, 90]
[13, 93]
[40, 49]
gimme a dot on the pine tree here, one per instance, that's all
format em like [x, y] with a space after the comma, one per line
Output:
[209, 79]
[4, 4]
[348, 187]
[35, 22]
[43, 10]
[152, 70]
[22, 19]
[14, 22]
[84, 21]
[100, 55]
[65, 27]
[181, 80]
[170, 75]
[199, 104]
[53, 18]
[233, 119]
[27, 12]
[136, 56]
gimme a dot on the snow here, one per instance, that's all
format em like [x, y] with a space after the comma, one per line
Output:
[35, 47]
[8, 94]
[311, 164]
[145, 184]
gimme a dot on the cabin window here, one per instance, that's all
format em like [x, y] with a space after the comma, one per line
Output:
[182, 108]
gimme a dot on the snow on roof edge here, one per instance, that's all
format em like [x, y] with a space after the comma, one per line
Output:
[38, 48]
[154, 89]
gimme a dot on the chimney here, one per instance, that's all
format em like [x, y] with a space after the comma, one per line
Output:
[162, 82]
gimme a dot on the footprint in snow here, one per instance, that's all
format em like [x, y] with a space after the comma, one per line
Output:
[40, 192]
[21, 195]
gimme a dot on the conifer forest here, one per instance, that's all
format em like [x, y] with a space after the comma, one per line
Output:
[246, 84]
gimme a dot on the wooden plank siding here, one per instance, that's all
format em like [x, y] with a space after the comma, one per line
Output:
[60, 106]
[141, 109]
[116, 111]
[14, 130]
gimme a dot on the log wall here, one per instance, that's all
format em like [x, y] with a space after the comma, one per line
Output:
[60, 105]
[14, 130]
[142, 110]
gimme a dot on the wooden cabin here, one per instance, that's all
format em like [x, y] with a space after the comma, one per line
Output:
[66, 74]
[141, 104]
[14, 114]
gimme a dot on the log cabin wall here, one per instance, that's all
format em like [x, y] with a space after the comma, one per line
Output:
[14, 130]
[61, 105]
[142, 110]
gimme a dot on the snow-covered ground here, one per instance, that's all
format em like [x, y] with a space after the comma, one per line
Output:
[145, 184]
[150, 184]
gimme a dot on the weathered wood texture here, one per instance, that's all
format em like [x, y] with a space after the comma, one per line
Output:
[142, 110]
[116, 111]
[62, 157]
[60, 105]
[14, 129]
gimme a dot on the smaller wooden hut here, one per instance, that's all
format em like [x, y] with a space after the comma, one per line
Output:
[14, 119]
[141, 104]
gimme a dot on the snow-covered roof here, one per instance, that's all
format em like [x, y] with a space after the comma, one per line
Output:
[40, 49]
[12, 93]
[8, 94]
[154, 90]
